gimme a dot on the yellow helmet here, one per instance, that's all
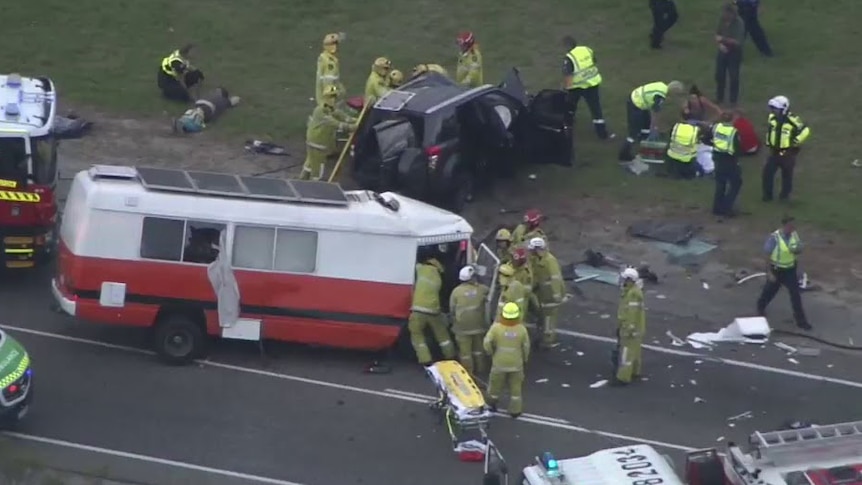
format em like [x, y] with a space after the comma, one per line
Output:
[381, 66]
[420, 69]
[331, 41]
[511, 311]
[396, 77]
[504, 235]
[507, 270]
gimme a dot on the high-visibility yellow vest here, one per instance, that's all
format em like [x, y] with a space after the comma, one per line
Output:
[722, 138]
[683, 143]
[782, 255]
[787, 133]
[426, 292]
[644, 96]
[586, 73]
[167, 61]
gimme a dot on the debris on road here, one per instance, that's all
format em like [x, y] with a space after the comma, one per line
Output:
[787, 348]
[692, 382]
[720, 438]
[674, 233]
[661, 297]
[740, 416]
[705, 285]
[565, 385]
[699, 400]
[580, 354]
[746, 330]
[541, 381]
[674, 340]
[265, 148]
[793, 361]
[605, 316]
[598, 384]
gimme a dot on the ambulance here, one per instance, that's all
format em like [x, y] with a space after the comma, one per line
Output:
[195, 254]
[16, 381]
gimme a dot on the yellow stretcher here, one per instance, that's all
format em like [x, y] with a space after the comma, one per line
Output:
[460, 403]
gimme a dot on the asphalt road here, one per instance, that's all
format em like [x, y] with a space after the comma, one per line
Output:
[311, 416]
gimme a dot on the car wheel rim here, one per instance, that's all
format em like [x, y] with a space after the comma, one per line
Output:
[178, 344]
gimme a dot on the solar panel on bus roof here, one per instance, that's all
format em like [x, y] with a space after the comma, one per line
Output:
[165, 178]
[270, 188]
[319, 191]
[217, 183]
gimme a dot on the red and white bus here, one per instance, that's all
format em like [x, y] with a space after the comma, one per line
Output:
[195, 253]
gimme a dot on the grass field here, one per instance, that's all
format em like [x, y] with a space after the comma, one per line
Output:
[105, 54]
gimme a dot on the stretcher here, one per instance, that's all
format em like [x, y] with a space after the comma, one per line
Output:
[462, 407]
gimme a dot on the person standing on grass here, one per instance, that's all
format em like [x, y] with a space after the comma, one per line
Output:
[726, 147]
[749, 10]
[787, 132]
[664, 16]
[728, 37]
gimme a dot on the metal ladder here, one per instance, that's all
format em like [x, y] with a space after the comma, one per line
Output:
[796, 445]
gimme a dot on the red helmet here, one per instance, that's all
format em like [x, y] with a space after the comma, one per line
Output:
[533, 217]
[519, 256]
[466, 40]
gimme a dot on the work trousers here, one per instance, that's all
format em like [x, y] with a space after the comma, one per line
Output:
[173, 90]
[594, 103]
[498, 381]
[470, 352]
[549, 325]
[681, 170]
[788, 278]
[785, 162]
[664, 16]
[727, 67]
[314, 165]
[627, 359]
[416, 325]
[728, 182]
[748, 13]
[637, 122]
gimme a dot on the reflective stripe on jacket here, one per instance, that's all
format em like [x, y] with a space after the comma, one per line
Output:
[786, 132]
[783, 255]
[167, 61]
[426, 292]
[586, 73]
[644, 96]
[631, 313]
[467, 307]
[683, 143]
[722, 138]
[508, 346]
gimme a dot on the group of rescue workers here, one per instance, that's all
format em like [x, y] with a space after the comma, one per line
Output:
[531, 288]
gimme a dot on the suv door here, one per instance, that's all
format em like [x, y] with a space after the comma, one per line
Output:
[393, 138]
[487, 269]
[550, 136]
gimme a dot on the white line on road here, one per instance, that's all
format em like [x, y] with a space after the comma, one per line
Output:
[388, 393]
[720, 360]
[147, 459]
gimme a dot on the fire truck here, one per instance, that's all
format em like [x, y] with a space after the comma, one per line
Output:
[28, 170]
[815, 455]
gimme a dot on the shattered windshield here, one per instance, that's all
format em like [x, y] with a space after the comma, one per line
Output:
[13, 159]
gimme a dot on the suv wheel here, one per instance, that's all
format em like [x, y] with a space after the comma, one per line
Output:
[462, 190]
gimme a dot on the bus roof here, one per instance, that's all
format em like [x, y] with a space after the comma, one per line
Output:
[361, 212]
[27, 105]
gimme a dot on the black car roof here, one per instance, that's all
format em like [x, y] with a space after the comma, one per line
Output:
[428, 91]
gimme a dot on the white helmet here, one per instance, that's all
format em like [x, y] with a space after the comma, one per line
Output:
[780, 103]
[630, 273]
[467, 273]
[537, 243]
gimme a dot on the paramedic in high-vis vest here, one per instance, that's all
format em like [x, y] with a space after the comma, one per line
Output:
[631, 316]
[787, 132]
[726, 146]
[581, 79]
[508, 344]
[681, 152]
[782, 248]
[328, 70]
[513, 291]
[529, 229]
[426, 312]
[549, 288]
[642, 108]
[469, 319]
[177, 75]
[320, 135]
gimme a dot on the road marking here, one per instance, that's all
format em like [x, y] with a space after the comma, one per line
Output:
[148, 459]
[388, 393]
[721, 360]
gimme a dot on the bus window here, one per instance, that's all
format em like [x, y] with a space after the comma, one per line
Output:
[13, 159]
[202, 242]
[45, 160]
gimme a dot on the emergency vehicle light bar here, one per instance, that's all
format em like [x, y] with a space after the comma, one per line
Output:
[788, 446]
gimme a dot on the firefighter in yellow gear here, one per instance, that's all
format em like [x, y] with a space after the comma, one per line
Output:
[523, 270]
[513, 291]
[549, 288]
[503, 249]
[469, 70]
[328, 71]
[396, 79]
[426, 312]
[378, 81]
[508, 344]
[631, 315]
[421, 69]
[469, 319]
[320, 134]
[529, 228]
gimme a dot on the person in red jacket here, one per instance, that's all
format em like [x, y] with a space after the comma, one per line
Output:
[749, 141]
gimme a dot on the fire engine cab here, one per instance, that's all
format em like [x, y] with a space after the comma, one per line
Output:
[28, 170]
[194, 253]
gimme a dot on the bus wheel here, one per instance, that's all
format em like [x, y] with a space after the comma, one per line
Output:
[178, 339]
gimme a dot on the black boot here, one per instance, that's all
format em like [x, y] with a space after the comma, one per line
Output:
[626, 152]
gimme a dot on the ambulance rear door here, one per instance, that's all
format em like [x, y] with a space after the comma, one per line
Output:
[487, 267]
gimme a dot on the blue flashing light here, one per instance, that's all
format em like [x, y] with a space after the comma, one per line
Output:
[550, 463]
[12, 110]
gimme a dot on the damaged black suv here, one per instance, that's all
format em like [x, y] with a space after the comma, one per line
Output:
[437, 141]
